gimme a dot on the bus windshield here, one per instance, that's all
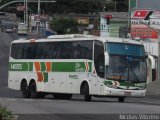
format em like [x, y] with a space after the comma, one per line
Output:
[126, 63]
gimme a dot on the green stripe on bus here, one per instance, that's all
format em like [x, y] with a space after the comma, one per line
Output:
[70, 67]
[55, 67]
[90, 67]
[45, 77]
[30, 66]
[43, 66]
[63, 67]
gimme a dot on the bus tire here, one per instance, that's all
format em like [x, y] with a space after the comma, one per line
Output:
[25, 89]
[33, 90]
[121, 99]
[87, 97]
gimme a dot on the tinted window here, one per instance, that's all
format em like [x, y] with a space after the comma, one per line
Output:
[82, 50]
[53, 50]
[13, 50]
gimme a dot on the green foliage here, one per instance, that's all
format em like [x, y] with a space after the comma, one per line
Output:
[76, 6]
[64, 25]
[4, 113]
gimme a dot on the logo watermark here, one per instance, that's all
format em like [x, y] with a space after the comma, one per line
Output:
[139, 117]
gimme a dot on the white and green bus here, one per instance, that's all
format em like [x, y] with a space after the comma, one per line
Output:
[64, 65]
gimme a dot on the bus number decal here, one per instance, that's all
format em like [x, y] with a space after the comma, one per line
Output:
[16, 66]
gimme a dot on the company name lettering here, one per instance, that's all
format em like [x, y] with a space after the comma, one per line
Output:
[140, 22]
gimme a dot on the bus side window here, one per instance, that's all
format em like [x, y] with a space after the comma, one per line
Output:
[77, 52]
[41, 50]
[32, 51]
[82, 50]
[65, 50]
[14, 50]
[58, 53]
[19, 51]
[86, 49]
[25, 51]
[99, 58]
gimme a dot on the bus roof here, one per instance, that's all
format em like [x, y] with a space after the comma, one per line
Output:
[79, 37]
[65, 36]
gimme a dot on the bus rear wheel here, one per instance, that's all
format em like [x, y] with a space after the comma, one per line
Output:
[87, 97]
[34, 93]
[25, 89]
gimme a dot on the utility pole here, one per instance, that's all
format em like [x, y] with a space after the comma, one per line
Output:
[158, 56]
[115, 6]
[39, 7]
[24, 11]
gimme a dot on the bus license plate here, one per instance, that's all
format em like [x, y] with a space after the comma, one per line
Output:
[127, 93]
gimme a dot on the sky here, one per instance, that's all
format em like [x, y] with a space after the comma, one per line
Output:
[153, 4]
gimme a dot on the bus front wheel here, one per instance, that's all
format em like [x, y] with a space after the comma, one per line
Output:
[87, 97]
[25, 89]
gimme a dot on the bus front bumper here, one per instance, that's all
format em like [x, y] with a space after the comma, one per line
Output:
[123, 92]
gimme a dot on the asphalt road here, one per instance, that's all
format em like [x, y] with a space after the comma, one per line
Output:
[74, 109]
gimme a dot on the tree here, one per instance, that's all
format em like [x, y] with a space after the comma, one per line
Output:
[77, 6]
[64, 25]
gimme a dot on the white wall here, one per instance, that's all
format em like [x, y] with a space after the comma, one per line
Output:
[151, 47]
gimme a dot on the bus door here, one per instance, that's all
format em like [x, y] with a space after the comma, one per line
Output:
[94, 83]
[97, 76]
[99, 64]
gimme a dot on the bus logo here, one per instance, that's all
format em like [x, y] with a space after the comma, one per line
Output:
[79, 68]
